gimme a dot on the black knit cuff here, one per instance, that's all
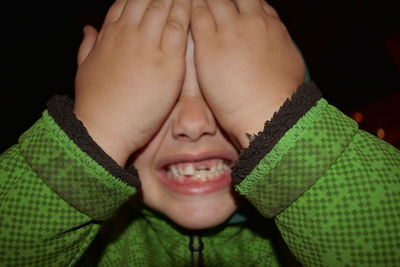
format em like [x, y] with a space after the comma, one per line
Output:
[60, 107]
[290, 112]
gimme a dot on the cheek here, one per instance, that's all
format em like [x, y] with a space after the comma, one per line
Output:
[150, 190]
[144, 161]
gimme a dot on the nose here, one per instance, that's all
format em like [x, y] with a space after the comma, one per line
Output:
[193, 119]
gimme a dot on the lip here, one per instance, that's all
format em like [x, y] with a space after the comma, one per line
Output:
[195, 188]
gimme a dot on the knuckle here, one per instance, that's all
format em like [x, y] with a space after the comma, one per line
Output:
[173, 40]
[117, 5]
[109, 30]
[199, 11]
[181, 10]
[273, 12]
[257, 22]
[157, 5]
[176, 24]
[283, 28]
[278, 24]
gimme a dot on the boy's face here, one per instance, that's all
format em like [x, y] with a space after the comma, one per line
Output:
[184, 169]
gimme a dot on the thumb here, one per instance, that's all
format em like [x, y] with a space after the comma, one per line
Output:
[89, 39]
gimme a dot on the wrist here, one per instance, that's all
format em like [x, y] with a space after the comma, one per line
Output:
[60, 108]
[109, 138]
[253, 123]
[245, 134]
[281, 116]
[112, 145]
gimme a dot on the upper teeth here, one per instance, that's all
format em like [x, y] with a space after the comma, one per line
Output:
[189, 170]
[202, 167]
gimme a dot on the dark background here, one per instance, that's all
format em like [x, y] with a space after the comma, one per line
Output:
[352, 49]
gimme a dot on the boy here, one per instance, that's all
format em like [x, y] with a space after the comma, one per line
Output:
[161, 118]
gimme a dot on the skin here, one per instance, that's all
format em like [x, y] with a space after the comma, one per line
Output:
[244, 50]
[137, 59]
[191, 129]
[210, 92]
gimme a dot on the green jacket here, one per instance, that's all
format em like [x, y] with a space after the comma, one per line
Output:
[328, 189]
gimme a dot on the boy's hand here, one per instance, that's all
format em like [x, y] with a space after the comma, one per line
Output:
[246, 62]
[130, 73]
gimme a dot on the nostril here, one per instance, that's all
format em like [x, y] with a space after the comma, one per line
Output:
[192, 119]
[183, 137]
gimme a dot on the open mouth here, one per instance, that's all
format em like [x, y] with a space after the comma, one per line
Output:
[196, 177]
[197, 172]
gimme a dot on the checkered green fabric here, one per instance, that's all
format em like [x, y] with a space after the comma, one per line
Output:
[150, 239]
[335, 192]
[51, 194]
[332, 190]
[77, 178]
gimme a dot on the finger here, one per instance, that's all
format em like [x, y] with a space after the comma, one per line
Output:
[134, 11]
[249, 6]
[175, 31]
[224, 11]
[114, 12]
[89, 39]
[155, 18]
[269, 10]
[202, 20]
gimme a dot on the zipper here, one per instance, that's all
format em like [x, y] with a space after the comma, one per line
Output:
[196, 248]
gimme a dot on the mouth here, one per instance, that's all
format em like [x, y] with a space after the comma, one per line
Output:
[197, 172]
[196, 175]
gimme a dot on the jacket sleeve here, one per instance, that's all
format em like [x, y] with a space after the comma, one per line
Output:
[333, 190]
[54, 195]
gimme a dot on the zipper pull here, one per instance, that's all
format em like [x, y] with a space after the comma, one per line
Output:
[196, 247]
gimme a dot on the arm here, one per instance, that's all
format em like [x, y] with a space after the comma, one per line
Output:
[53, 197]
[64, 178]
[330, 187]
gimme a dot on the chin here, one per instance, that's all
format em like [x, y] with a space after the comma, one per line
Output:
[200, 220]
[202, 215]
[200, 211]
